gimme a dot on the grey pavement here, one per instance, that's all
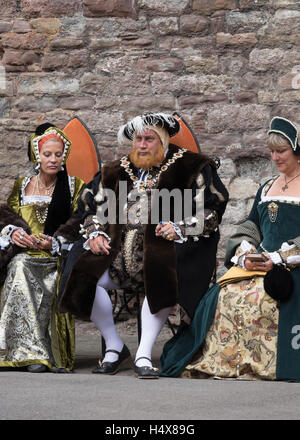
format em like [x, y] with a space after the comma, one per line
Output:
[86, 396]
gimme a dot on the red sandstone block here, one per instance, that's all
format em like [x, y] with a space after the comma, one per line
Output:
[105, 8]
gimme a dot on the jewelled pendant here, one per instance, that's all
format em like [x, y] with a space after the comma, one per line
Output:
[273, 211]
[41, 211]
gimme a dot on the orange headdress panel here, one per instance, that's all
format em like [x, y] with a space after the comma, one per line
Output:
[185, 137]
[46, 138]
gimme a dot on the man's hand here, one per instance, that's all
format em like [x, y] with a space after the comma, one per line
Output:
[166, 230]
[99, 245]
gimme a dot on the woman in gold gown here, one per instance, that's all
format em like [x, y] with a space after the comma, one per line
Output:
[32, 332]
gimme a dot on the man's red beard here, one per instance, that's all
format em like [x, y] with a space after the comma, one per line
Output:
[148, 161]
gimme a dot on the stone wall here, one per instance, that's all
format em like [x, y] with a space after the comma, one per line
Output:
[228, 66]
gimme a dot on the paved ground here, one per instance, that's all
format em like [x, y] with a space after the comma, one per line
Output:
[86, 396]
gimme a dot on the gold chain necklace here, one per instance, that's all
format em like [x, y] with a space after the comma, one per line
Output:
[144, 186]
[286, 185]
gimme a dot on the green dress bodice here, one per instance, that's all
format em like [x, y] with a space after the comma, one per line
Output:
[279, 222]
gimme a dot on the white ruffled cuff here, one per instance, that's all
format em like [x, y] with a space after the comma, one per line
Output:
[287, 247]
[86, 244]
[275, 257]
[55, 247]
[178, 231]
[64, 245]
[238, 260]
[4, 243]
[6, 234]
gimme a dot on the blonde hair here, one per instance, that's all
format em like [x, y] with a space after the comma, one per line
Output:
[161, 132]
[163, 135]
[277, 140]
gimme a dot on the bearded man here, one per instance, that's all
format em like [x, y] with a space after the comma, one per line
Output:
[166, 253]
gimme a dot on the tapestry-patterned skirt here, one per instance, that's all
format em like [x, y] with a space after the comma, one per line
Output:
[26, 311]
[242, 340]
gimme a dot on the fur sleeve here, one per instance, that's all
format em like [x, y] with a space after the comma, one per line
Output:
[9, 217]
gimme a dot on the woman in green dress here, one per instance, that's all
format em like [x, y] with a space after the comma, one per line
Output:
[239, 330]
[32, 332]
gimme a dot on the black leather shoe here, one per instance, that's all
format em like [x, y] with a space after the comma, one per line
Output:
[36, 368]
[113, 367]
[146, 372]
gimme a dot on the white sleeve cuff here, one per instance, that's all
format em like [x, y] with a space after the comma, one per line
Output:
[64, 245]
[245, 246]
[293, 259]
[4, 243]
[287, 247]
[86, 244]
[7, 231]
[55, 247]
[177, 230]
[275, 257]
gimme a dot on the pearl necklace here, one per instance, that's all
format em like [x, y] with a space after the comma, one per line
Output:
[41, 208]
[48, 189]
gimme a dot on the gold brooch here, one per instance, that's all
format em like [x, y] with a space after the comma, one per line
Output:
[273, 211]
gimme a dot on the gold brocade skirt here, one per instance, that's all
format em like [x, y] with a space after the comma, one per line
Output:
[31, 329]
[242, 340]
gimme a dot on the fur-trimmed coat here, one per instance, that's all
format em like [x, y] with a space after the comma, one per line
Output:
[172, 272]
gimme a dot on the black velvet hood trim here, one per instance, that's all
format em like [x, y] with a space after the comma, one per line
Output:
[60, 207]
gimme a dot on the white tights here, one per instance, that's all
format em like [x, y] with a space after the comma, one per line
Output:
[102, 316]
[151, 327]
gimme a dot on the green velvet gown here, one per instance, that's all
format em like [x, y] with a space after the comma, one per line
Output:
[239, 331]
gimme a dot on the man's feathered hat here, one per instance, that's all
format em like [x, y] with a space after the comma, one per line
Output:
[145, 121]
